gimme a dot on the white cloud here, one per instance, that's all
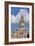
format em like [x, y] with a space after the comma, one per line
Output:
[16, 19]
[13, 19]
[25, 15]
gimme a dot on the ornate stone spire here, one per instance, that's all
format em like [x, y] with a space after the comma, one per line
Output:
[22, 21]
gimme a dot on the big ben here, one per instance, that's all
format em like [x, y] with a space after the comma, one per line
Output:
[21, 24]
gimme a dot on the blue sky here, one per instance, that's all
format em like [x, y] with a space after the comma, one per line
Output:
[16, 14]
[15, 10]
